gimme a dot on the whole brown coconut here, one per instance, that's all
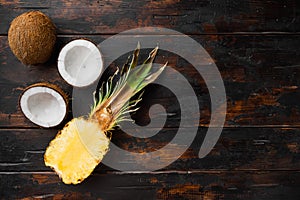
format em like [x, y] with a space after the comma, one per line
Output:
[32, 37]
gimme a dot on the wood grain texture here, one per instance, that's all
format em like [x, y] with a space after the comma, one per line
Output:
[237, 149]
[190, 17]
[214, 185]
[261, 90]
[255, 45]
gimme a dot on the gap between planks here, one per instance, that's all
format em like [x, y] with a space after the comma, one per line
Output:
[189, 34]
[219, 171]
[12, 128]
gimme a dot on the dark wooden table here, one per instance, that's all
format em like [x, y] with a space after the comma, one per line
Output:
[256, 46]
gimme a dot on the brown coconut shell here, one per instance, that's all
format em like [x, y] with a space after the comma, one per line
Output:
[52, 86]
[32, 37]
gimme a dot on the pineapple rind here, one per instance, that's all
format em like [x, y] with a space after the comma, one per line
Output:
[81, 145]
[77, 150]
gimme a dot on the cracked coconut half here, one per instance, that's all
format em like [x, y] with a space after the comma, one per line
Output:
[44, 104]
[81, 145]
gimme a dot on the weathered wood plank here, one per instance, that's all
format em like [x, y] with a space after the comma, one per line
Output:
[260, 74]
[275, 185]
[191, 17]
[237, 148]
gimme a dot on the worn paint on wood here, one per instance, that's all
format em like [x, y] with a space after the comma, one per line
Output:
[179, 185]
[261, 90]
[189, 16]
[255, 45]
[237, 148]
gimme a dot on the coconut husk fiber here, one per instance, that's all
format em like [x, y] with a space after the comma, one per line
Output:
[32, 37]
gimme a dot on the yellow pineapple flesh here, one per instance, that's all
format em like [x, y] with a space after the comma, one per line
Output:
[77, 150]
[82, 144]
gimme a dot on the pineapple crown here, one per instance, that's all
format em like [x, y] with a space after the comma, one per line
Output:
[114, 98]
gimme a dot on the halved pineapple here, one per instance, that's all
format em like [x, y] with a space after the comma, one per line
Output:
[82, 143]
[77, 150]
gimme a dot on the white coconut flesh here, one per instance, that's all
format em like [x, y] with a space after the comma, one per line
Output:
[80, 63]
[43, 106]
